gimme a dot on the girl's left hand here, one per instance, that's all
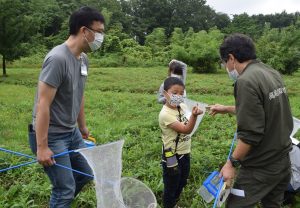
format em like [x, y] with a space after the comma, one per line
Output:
[196, 111]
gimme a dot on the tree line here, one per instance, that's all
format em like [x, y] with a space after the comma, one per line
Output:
[149, 32]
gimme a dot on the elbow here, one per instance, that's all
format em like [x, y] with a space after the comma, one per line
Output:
[187, 131]
[42, 108]
[161, 100]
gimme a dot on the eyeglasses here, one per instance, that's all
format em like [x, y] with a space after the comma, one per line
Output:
[95, 31]
[223, 63]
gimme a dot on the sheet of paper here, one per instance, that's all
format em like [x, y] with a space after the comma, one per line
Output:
[188, 112]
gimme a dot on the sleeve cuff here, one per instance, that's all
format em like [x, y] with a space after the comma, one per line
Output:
[252, 139]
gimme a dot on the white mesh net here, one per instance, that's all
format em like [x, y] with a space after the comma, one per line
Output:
[295, 130]
[106, 163]
[136, 194]
[296, 126]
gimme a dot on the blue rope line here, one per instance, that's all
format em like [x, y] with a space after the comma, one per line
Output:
[76, 171]
[63, 153]
[34, 161]
[222, 179]
[16, 153]
[17, 166]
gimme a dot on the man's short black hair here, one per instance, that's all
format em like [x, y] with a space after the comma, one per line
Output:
[240, 46]
[169, 82]
[85, 16]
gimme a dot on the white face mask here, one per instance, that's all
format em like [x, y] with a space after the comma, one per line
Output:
[96, 44]
[233, 74]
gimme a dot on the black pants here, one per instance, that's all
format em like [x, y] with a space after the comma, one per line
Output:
[175, 181]
[265, 185]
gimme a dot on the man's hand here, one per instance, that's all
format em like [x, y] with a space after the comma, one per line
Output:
[228, 173]
[217, 108]
[44, 157]
[196, 111]
[84, 132]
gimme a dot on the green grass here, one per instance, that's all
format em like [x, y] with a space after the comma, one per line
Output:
[120, 103]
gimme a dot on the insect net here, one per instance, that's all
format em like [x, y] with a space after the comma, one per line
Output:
[111, 190]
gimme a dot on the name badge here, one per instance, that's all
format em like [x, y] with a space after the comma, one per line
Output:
[83, 69]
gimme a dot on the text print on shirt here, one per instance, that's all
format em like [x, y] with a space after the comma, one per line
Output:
[276, 93]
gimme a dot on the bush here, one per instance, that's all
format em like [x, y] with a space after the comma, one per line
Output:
[109, 60]
[200, 50]
[157, 40]
[280, 48]
[111, 44]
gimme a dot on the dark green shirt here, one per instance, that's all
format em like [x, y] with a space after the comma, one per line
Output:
[264, 118]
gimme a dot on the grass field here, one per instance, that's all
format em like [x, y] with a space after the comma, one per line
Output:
[120, 103]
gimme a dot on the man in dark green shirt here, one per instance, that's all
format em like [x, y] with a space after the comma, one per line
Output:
[264, 125]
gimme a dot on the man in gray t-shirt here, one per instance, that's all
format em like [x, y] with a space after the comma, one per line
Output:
[61, 69]
[58, 115]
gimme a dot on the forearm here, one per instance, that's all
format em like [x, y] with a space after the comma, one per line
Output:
[188, 128]
[230, 109]
[241, 150]
[81, 116]
[42, 126]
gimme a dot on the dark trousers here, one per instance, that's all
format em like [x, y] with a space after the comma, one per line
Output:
[265, 185]
[175, 180]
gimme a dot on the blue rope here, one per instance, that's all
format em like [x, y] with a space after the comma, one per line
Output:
[34, 161]
[222, 182]
[76, 171]
[17, 166]
[16, 153]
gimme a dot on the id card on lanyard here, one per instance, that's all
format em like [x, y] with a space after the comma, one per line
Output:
[83, 68]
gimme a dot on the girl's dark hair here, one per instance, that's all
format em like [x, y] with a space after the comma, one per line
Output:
[85, 16]
[240, 46]
[176, 68]
[169, 82]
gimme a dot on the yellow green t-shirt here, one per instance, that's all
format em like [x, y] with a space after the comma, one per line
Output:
[168, 116]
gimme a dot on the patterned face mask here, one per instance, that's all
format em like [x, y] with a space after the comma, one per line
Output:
[175, 100]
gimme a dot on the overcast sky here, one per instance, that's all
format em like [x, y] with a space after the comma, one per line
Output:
[254, 6]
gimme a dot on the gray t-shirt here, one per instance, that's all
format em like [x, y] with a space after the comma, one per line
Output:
[62, 70]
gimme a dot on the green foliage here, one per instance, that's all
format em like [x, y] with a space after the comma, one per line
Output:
[137, 56]
[156, 40]
[13, 19]
[245, 24]
[280, 48]
[277, 20]
[129, 43]
[117, 30]
[24, 24]
[129, 95]
[169, 28]
[221, 20]
[200, 50]
[111, 44]
[177, 37]
[168, 14]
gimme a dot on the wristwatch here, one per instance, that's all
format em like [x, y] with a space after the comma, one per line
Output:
[235, 163]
